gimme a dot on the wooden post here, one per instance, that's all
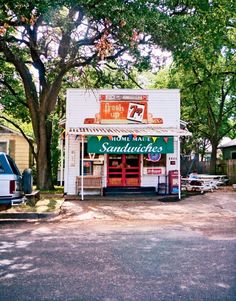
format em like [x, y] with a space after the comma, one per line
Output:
[82, 170]
[62, 163]
[179, 175]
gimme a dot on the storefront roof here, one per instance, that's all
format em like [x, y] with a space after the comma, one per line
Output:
[124, 130]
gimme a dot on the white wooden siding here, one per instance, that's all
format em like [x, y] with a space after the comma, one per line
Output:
[83, 104]
[172, 157]
[21, 153]
[72, 164]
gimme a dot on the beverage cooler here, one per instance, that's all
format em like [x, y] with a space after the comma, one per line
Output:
[173, 182]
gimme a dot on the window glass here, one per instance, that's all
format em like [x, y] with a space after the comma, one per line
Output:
[154, 161]
[3, 147]
[88, 163]
[88, 168]
[1, 169]
[13, 166]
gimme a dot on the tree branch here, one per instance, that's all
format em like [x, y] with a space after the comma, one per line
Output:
[12, 91]
[37, 62]
[229, 130]
[30, 89]
[64, 45]
[22, 132]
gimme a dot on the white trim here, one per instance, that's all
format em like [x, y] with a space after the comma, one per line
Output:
[62, 162]
[79, 161]
[231, 154]
[105, 171]
[120, 91]
[66, 180]
[91, 156]
[13, 132]
[7, 143]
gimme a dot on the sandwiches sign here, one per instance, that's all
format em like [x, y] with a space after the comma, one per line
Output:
[128, 145]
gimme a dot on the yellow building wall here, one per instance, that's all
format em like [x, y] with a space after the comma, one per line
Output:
[18, 149]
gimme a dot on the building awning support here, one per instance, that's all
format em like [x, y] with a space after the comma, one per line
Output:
[179, 175]
[124, 130]
[62, 163]
[82, 170]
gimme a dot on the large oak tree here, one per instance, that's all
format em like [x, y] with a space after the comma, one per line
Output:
[44, 40]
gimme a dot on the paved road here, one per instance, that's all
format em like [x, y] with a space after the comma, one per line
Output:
[114, 261]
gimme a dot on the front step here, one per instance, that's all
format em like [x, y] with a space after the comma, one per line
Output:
[131, 190]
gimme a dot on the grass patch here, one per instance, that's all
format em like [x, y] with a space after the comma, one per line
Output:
[43, 205]
[51, 205]
[21, 208]
[57, 190]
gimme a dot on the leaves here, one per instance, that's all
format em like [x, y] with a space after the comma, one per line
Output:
[43, 41]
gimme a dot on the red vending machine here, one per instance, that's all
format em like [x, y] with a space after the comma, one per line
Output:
[173, 182]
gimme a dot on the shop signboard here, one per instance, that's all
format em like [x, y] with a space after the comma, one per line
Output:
[128, 145]
[123, 108]
[154, 171]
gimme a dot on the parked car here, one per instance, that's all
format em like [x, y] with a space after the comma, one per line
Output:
[13, 185]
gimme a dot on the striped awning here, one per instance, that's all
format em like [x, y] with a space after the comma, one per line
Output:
[124, 130]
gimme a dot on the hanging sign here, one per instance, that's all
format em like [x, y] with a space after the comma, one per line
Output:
[154, 157]
[125, 145]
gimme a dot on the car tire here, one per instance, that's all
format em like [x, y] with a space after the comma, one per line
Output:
[27, 181]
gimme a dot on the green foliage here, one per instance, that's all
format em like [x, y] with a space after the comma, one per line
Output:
[45, 44]
[209, 101]
[42, 41]
[204, 47]
[12, 92]
[165, 80]
[55, 151]
[207, 98]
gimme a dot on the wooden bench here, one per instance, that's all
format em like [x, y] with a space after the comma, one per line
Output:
[33, 197]
[90, 182]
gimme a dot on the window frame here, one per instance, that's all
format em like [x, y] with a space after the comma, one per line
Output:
[7, 146]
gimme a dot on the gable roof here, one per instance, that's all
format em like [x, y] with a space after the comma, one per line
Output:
[6, 130]
[229, 144]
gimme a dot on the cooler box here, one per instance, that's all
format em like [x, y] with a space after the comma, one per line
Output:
[173, 182]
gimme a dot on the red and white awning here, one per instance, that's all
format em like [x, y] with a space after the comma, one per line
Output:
[124, 130]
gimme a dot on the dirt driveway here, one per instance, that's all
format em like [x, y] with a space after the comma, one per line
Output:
[214, 214]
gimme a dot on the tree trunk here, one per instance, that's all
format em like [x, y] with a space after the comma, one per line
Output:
[44, 168]
[214, 145]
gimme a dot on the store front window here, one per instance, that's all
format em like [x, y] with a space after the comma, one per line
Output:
[3, 146]
[91, 162]
[154, 164]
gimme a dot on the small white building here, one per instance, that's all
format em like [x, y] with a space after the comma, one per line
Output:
[121, 139]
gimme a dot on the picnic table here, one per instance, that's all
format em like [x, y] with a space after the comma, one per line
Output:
[221, 179]
[203, 182]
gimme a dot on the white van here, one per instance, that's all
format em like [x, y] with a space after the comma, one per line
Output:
[13, 185]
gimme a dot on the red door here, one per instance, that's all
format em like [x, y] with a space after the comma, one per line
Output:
[123, 170]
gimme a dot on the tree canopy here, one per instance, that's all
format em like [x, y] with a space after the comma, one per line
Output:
[204, 55]
[41, 41]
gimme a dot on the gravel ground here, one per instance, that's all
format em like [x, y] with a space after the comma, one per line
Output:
[213, 214]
